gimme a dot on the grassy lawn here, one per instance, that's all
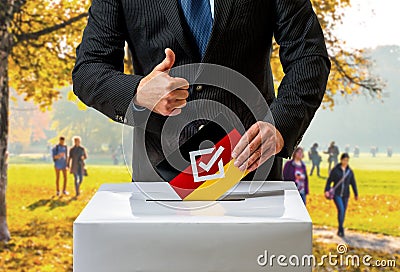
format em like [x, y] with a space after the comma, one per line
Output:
[41, 224]
[320, 249]
[378, 207]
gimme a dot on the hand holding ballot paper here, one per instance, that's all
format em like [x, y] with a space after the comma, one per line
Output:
[209, 172]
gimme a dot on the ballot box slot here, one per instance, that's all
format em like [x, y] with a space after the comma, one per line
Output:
[180, 200]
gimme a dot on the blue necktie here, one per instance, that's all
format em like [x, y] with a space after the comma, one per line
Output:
[198, 16]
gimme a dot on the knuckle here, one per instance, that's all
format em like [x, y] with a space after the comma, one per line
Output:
[166, 112]
[168, 107]
[164, 103]
[169, 85]
[254, 158]
[252, 147]
[242, 158]
[255, 166]
[162, 112]
[183, 104]
[250, 161]
[169, 96]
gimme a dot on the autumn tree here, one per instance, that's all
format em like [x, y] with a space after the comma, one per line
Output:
[95, 129]
[350, 71]
[37, 42]
[38, 38]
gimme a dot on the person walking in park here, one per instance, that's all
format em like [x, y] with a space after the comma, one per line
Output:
[333, 152]
[60, 157]
[76, 161]
[342, 177]
[390, 152]
[295, 170]
[374, 150]
[347, 149]
[356, 151]
[315, 159]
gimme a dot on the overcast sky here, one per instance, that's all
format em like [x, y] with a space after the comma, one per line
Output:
[369, 23]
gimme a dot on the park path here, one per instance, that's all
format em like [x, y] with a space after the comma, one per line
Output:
[357, 239]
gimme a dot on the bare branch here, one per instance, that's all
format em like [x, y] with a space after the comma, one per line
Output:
[48, 30]
[370, 84]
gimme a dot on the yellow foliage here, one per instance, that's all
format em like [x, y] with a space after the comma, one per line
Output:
[40, 66]
[350, 68]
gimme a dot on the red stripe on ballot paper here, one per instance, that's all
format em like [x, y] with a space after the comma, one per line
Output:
[184, 183]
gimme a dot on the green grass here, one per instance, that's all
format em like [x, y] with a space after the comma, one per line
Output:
[378, 207]
[37, 158]
[41, 224]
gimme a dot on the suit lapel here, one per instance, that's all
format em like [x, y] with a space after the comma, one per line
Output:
[222, 9]
[171, 9]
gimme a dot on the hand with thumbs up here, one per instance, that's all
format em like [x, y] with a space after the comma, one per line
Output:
[160, 92]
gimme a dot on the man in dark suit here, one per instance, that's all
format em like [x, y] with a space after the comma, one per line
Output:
[233, 33]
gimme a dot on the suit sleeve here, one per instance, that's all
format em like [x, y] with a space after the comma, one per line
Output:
[306, 66]
[98, 78]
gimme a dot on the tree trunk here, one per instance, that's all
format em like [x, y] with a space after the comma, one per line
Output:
[5, 45]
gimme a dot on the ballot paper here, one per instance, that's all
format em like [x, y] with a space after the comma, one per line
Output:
[204, 173]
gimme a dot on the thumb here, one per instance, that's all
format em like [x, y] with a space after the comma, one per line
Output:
[168, 62]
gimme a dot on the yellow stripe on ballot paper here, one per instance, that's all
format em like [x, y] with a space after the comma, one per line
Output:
[213, 189]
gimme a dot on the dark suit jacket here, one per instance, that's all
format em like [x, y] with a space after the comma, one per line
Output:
[241, 40]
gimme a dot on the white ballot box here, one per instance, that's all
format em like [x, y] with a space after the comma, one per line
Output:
[145, 227]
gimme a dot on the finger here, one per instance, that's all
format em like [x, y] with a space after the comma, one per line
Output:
[268, 153]
[179, 83]
[244, 140]
[248, 151]
[263, 138]
[252, 159]
[175, 112]
[178, 94]
[256, 155]
[167, 63]
[177, 104]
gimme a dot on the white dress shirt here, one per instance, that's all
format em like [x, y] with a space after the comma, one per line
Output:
[212, 8]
